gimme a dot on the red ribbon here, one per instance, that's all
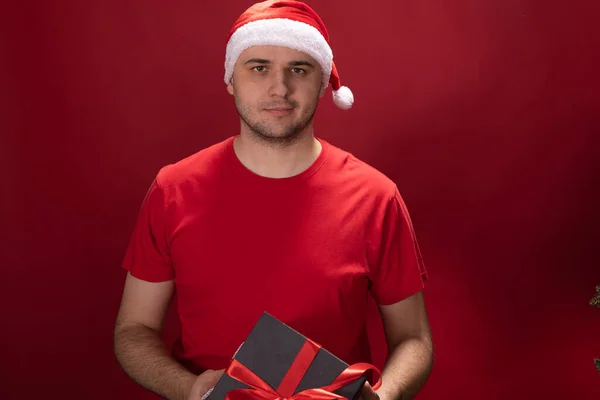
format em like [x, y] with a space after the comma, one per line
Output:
[260, 390]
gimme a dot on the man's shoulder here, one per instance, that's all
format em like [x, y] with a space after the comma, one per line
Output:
[202, 164]
[347, 165]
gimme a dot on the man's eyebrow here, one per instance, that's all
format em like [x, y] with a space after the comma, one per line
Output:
[300, 63]
[257, 61]
[291, 63]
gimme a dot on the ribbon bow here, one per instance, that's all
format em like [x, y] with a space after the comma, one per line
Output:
[260, 390]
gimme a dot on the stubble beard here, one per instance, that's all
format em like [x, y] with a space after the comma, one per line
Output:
[280, 136]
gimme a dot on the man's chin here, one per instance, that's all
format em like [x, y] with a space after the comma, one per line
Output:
[272, 135]
[277, 130]
[278, 135]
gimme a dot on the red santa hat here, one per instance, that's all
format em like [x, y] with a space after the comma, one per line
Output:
[291, 24]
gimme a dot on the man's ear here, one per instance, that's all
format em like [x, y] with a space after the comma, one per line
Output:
[322, 91]
[230, 88]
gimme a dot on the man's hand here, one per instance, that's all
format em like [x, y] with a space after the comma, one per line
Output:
[205, 381]
[367, 392]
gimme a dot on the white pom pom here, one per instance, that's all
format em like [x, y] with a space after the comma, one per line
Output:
[343, 98]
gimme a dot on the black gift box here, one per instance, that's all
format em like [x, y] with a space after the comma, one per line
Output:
[269, 351]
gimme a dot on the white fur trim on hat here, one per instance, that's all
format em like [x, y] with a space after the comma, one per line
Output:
[279, 32]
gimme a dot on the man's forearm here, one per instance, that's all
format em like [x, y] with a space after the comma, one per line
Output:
[406, 370]
[145, 358]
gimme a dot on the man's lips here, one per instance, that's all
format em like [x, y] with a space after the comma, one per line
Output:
[279, 110]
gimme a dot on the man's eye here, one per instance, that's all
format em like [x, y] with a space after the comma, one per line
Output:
[298, 70]
[259, 68]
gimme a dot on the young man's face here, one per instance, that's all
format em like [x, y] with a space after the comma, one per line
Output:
[276, 91]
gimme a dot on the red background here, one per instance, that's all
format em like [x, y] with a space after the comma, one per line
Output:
[486, 114]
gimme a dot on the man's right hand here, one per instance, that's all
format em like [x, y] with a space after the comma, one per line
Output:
[204, 382]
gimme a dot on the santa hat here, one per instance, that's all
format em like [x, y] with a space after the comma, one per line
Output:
[290, 24]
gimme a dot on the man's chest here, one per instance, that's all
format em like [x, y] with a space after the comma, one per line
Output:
[267, 249]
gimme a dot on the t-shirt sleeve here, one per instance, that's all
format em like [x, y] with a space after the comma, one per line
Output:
[397, 268]
[147, 256]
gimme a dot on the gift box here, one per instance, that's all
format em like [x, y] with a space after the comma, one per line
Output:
[277, 362]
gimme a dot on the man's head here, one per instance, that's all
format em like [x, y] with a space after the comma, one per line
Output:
[276, 90]
[288, 31]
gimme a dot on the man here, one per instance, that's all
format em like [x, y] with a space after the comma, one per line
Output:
[273, 219]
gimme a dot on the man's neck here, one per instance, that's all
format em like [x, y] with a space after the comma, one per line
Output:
[276, 161]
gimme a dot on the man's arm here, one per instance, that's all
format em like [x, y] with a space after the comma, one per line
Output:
[140, 349]
[410, 350]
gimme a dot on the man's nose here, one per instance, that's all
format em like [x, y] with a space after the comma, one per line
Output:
[279, 85]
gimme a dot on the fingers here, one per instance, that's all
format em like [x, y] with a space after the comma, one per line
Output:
[215, 376]
[367, 392]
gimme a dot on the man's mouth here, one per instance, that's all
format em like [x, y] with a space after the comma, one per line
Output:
[280, 110]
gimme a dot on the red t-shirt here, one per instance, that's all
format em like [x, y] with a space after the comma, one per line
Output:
[307, 249]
